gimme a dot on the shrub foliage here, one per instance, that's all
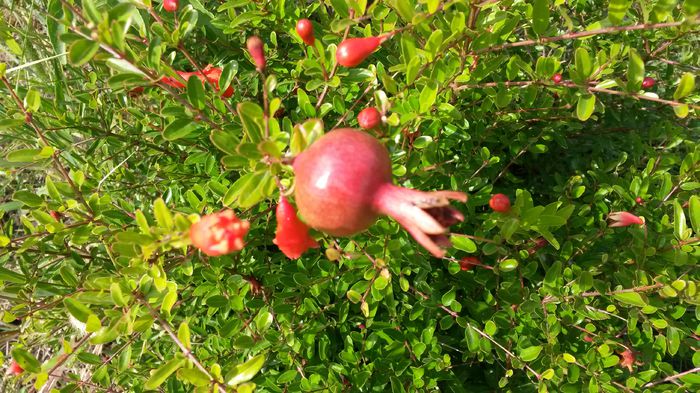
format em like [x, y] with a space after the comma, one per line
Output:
[108, 157]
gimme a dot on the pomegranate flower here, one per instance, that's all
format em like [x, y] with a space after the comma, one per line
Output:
[624, 219]
[219, 233]
[210, 73]
[292, 235]
[15, 368]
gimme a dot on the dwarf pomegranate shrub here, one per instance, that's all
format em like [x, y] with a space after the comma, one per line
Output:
[187, 207]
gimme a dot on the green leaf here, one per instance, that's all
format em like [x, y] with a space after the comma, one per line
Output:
[195, 92]
[681, 111]
[78, 310]
[163, 216]
[32, 101]
[584, 65]
[432, 46]
[540, 16]
[428, 96]
[553, 274]
[224, 141]
[685, 87]
[81, 51]
[26, 360]
[631, 298]
[179, 128]
[585, 106]
[694, 212]
[635, 72]
[117, 295]
[246, 371]
[183, 334]
[530, 353]
[679, 223]
[251, 115]
[227, 74]
[30, 155]
[193, 376]
[162, 373]
[617, 10]
[463, 243]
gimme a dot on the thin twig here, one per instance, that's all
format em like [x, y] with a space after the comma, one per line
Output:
[671, 378]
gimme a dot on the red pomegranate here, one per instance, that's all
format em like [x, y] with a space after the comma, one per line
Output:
[500, 203]
[306, 31]
[170, 5]
[369, 118]
[344, 183]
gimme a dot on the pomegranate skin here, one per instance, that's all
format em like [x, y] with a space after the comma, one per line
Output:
[170, 5]
[354, 51]
[343, 183]
[369, 118]
[306, 31]
[334, 196]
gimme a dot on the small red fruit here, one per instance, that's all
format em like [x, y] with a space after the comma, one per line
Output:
[648, 82]
[170, 5]
[219, 233]
[255, 48]
[343, 184]
[639, 200]
[306, 31]
[292, 235]
[467, 263]
[557, 78]
[354, 51]
[15, 368]
[500, 203]
[369, 118]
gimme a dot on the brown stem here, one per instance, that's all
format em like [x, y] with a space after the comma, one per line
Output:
[672, 377]
[579, 34]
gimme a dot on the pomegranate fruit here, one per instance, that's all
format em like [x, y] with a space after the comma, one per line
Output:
[344, 183]
[170, 5]
[219, 233]
[500, 203]
[354, 51]
[306, 31]
[648, 82]
[255, 48]
[557, 78]
[292, 235]
[369, 118]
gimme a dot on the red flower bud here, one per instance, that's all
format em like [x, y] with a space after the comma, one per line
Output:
[369, 118]
[624, 219]
[292, 235]
[648, 83]
[56, 215]
[354, 51]
[15, 368]
[170, 5]
[219, 233]
[255, 48]
[500, 203]
[557, 78]
[306, 31]
[467, 263]
[639, 200]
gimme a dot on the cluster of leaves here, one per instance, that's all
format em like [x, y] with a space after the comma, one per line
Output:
[104, 167]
